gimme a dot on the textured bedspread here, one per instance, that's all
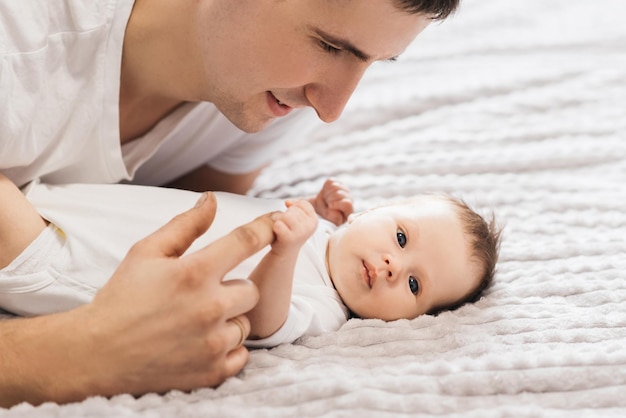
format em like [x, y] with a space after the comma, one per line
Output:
[519, 107]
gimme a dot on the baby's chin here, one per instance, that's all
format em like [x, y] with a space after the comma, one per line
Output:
[366, 314]
[363, 313]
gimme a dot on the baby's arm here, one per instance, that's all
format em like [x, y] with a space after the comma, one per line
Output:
[274, 274]
[333, 202]
[20, 223]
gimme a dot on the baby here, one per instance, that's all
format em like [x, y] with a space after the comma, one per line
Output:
[401, 260]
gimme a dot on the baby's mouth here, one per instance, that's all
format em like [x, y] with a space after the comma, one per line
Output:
[368, 275]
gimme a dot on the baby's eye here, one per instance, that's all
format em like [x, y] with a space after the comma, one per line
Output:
[401, 238]
[414, 285]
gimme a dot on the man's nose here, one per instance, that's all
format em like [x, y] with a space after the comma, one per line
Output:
[330, 97]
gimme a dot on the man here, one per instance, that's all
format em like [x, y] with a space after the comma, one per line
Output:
[194, 94]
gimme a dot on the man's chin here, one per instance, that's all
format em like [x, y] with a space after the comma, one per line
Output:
[254, 128]
[248, 125]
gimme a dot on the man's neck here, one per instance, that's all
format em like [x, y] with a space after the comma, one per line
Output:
[151, 84]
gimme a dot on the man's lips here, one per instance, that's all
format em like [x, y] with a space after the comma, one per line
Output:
[277, 109]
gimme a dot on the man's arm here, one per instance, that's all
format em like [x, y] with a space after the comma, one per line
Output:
[20, 223]
[46, 359]
[273, 275]
[209, 179]
[163, 321]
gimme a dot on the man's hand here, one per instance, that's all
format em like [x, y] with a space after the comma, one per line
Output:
[333, 202]
[163, 321]
[173, 311]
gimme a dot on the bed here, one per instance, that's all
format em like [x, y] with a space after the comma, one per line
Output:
[519, 107]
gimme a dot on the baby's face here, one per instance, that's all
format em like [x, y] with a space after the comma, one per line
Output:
[402, 261]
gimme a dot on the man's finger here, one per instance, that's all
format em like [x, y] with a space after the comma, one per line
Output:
[235, 361]
[173, 238]
[222, 255]
[238, 296]
[240, 326]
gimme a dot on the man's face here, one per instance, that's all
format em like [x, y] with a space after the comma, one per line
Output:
[265, 57]
[402, 261]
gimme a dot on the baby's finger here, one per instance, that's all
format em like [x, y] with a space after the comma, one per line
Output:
[281, 229]
[306, 207]
[337, 195]
[341, 204]
[335, 217]
[345, 207]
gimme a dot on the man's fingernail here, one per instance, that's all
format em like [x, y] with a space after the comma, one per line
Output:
[202, 199]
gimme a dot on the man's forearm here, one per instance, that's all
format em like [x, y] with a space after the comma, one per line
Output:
[41, 360]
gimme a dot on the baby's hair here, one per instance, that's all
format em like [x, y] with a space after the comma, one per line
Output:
[484, 236]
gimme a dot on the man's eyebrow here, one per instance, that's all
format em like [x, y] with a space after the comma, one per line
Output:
[345, 45]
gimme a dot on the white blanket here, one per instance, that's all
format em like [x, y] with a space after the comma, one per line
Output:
[518, 106]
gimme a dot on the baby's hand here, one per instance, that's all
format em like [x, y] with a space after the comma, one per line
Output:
[294, 226]
[333, 202]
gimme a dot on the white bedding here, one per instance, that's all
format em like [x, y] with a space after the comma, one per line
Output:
[519, 106]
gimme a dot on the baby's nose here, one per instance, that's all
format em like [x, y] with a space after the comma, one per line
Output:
[390, 269]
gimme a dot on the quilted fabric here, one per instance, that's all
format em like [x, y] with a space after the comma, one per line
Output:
[519, 107]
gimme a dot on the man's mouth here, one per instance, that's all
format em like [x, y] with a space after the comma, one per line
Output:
[277, 107]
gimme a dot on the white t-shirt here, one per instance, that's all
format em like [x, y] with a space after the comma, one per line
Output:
[197, 134]
[95, 225]
[60, 66]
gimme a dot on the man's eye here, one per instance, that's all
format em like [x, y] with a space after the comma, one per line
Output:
[401, 238]
[413, 285]
[329, 48]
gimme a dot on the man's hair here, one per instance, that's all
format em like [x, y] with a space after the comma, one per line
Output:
[484, 239]
[435, 9]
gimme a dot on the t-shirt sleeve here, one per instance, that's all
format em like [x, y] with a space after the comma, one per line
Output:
[313, 311]
[298, 322]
